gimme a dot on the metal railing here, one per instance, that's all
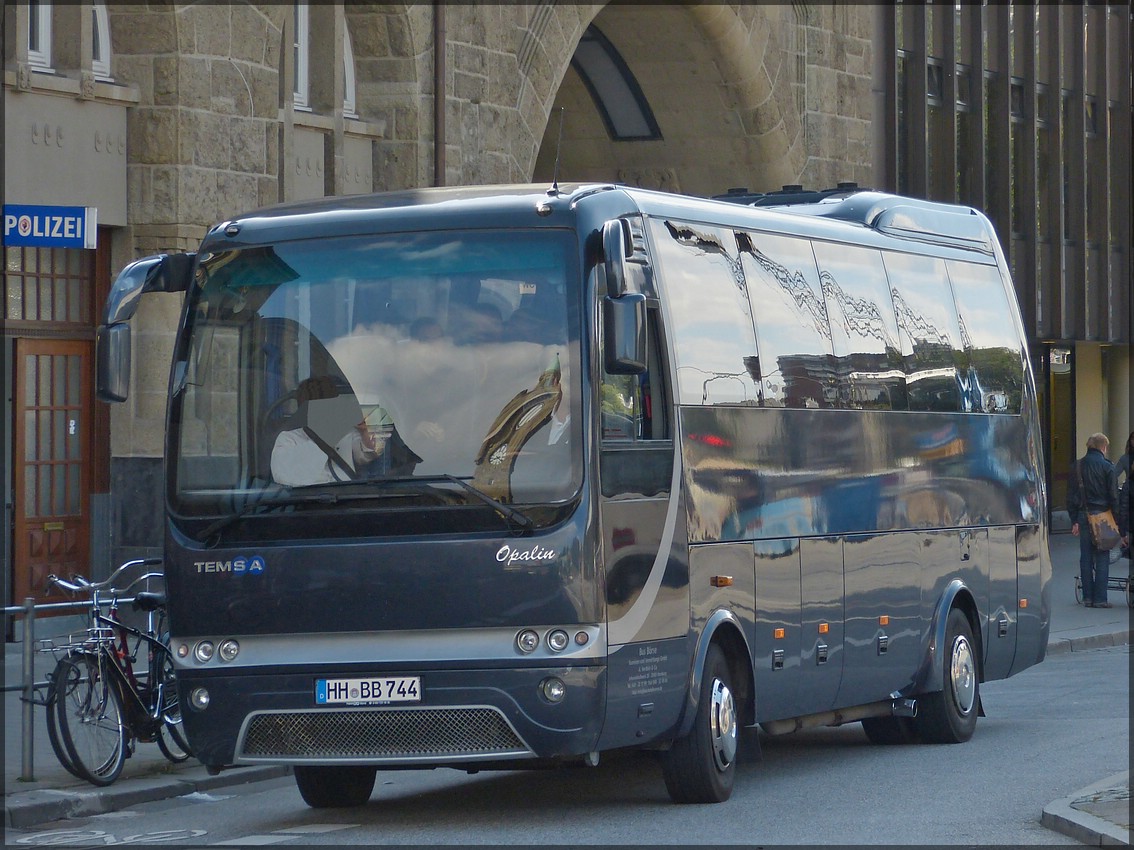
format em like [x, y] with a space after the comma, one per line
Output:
[28, 686]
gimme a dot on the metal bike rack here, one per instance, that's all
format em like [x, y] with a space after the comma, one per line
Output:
[28, 685]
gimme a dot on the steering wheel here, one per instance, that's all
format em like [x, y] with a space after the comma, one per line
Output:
[275, 406]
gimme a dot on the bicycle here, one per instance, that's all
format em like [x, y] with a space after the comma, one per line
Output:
[99, 706]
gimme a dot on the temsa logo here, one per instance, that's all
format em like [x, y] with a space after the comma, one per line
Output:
[237, 566]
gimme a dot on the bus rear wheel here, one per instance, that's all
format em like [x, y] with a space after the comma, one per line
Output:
[949, 716]
[701, 766]
[335, 787]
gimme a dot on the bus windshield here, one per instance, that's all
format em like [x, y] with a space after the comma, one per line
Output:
[434, 367]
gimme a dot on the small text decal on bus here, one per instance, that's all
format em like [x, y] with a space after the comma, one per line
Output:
[507, 555]
[238, 566]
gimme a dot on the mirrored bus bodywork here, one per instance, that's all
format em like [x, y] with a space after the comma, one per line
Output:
[502, 477]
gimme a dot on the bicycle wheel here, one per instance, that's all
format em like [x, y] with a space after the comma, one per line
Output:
[90, 717]
[171, 734]
[53, 727]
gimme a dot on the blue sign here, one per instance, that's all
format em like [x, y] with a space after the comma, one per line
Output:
[50, 227]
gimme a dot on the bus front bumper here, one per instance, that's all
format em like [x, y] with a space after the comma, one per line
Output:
[464, 718]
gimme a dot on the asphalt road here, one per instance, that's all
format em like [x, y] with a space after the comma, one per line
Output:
[1049, 731]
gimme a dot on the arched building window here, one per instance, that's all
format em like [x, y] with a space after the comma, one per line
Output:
[54, 38]
[304, 45]
[301, 50]
[349, 96]
[100, 42]
[39, 35]
[320, 155]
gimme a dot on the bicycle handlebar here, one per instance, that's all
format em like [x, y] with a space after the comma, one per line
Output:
[80, 584]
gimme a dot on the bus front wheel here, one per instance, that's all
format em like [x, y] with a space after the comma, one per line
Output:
[949, 716]
[335, 787]
[700, 767]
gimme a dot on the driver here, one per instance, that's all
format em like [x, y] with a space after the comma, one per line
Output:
[368, 445]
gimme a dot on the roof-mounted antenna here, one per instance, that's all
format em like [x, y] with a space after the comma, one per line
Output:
[554, 190]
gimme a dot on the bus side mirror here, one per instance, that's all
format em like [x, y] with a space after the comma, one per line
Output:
[624, 334]
[159, 273]
[112, 362]
[614, 239]
[623, 311]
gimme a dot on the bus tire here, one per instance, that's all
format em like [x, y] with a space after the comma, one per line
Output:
[701, 766]
[949, 716]
[338, 787]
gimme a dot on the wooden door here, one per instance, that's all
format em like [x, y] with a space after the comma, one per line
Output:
[52, 415]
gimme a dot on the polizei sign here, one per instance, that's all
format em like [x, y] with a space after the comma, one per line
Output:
[50, 227]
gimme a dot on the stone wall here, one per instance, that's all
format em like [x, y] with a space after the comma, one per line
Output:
[745, 94]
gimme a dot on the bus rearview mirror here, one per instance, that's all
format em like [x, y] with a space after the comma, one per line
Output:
[624, 334]
[159, 273]
[614, 257]
[112, 362]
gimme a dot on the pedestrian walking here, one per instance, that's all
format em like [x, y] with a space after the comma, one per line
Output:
[1094, 488]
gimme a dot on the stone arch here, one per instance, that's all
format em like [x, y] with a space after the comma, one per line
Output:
[722, 83]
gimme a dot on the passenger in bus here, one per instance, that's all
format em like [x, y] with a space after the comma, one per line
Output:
[543, 464]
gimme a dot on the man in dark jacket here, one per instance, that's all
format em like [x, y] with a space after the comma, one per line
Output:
[1093, 488]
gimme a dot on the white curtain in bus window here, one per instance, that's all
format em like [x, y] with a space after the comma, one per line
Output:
[714, 343]
[864, 333]
[996, 365]
[935, 364]
[796, 366]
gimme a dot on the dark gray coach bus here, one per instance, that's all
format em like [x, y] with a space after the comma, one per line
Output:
[504, 477]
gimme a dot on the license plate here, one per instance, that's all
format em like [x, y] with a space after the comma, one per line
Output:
[368, 690]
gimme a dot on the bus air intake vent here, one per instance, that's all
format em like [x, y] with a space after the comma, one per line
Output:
[394, 734]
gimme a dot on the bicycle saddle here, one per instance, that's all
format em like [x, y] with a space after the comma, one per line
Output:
[149, 601]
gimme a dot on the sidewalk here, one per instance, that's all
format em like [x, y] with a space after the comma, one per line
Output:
[1098, 815]
[55, 793]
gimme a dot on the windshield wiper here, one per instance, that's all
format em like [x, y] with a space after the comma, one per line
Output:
[514, 517]
[509, 513]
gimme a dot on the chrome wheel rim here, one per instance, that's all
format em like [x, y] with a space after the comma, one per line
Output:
[962, 674]
[723, 721]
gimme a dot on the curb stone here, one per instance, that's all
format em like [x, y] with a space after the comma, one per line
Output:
[29, 808]
[1072, 815]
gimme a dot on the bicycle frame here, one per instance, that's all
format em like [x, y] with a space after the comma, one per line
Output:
[109, 644]
[143, 710]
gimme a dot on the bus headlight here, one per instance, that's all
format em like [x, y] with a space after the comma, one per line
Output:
[203, 651]
[199, 699]
[553, 689]
[557, 639]
[527, 641]
[228, 649]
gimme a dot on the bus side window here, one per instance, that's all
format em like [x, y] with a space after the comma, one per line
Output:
[996, 363]
[936, 363]
[637, 451]
[713, 342]
[634, 406]
[864, 333]
[792, 330]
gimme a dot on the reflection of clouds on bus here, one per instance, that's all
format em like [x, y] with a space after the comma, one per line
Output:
[443, 396]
